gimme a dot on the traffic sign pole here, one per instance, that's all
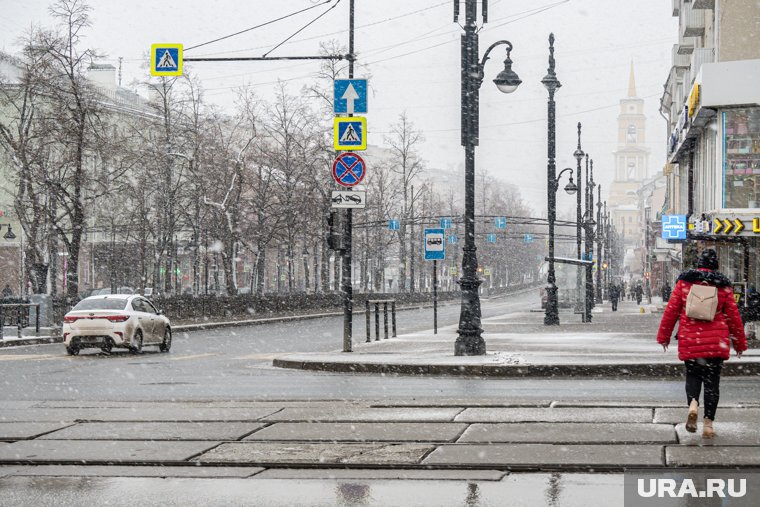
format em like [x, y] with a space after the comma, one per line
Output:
[435, 297]
[348, 290]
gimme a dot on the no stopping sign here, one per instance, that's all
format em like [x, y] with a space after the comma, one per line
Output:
[349, 169]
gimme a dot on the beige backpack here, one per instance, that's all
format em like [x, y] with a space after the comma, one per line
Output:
[702, 302]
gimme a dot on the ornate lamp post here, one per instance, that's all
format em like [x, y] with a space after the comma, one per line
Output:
[470, 341]
[551, 83]
[589, 223]
[578, 154]
[599, 241]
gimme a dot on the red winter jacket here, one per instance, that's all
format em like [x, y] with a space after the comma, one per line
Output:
[702, 338]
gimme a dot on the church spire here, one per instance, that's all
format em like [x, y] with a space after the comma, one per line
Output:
[631, 83]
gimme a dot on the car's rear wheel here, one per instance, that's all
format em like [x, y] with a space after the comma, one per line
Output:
[72, 350]
[107, 346]
[137, 342]
[167, 343]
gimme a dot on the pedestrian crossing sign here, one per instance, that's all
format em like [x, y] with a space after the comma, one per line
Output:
[350, 133]
[166, 59]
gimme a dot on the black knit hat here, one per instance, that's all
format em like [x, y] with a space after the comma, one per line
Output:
[708, 259]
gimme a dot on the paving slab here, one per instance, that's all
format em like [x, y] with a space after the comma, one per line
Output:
[134, 471]
[561, 414]
[546, 455]
[27, 430]
[727, 433]
[136, 413]
[678, 415]
[100, 451]
[361, 432]
[263, 453]
[360, 414]
[155, 431]
[460, 402]
[381, 474]
[569, 433]
[712, 456]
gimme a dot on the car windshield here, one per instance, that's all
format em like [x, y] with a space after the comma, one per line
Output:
[101, 304]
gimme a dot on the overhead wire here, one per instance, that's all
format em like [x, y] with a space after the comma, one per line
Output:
[259, 26]
[303, 28]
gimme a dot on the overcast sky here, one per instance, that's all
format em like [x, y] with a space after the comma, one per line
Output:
[411, 49]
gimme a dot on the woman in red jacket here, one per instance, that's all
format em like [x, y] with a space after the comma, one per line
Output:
[703, 345]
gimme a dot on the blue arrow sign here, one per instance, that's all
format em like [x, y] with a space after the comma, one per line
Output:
[453, 239]
[528, 238]
[491, 238]
[435, 244]
[500, 222]
[350, 96]
[445, 223]
[394, 225]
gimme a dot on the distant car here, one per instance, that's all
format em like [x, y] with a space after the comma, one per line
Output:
[119, 320]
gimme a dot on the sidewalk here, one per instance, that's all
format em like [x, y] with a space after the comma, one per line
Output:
[411, 439]
[616, 344]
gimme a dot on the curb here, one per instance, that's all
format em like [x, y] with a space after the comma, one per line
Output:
[15, 342]
[644, 370]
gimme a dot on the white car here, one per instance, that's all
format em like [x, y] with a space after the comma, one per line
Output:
[116, 320]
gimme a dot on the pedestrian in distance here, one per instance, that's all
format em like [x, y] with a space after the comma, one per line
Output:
[639, 292]
[7, 291]
[614, 296]
[709, 323]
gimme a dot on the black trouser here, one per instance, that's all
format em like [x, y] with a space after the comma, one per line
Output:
[707, 372]
[614, 305]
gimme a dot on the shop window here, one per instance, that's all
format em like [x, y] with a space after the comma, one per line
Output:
[741, 158]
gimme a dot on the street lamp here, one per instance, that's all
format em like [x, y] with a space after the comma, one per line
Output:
[578, 154]
[599, 241]
[551, 83]
[589, 223]
[470, 341]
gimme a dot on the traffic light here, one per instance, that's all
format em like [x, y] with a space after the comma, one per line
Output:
[332, 233]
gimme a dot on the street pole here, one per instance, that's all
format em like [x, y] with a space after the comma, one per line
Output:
[599, 240]
[589, 223]
[435, 296]
[470, 341]
[578, 154]
[346, 274]
[551, 83]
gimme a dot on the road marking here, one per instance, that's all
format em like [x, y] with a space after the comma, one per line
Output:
[195, 356]
[30, 357]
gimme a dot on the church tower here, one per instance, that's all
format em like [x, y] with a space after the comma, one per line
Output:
[631, 168]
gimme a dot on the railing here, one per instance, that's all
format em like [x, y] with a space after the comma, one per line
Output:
[701, 56]
[702, 4]
[19, 312]
[676, 7]
[679, 59]
[692, 21]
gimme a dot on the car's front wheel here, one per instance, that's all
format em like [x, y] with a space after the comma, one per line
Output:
[137, 342]
[167, 343]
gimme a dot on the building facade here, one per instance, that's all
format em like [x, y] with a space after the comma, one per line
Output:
[711, 102]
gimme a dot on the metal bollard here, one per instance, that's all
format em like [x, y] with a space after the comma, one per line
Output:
[367, 314]
[385, 320]
[2, 321]
[37, 321]
[377, 322]
[19, 320]
[393, 317]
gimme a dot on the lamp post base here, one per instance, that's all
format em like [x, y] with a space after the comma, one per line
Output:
[470, 342]
[551, 318]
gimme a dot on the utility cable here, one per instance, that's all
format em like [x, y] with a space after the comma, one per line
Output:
[259, 26]
[302, 28]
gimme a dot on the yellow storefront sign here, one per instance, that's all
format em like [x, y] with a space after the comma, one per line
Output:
[693, 99]
[734, 226]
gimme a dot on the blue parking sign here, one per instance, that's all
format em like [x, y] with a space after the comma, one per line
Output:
[394, 225]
